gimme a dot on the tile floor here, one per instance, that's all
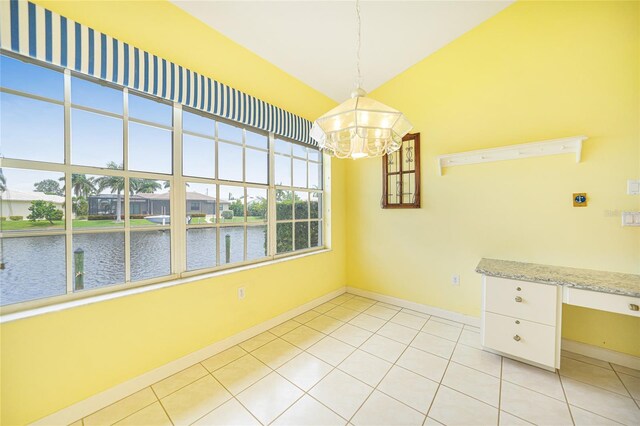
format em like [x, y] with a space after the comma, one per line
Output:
[360, 362]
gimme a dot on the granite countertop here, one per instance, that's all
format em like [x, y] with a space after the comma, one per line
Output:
[588, 279]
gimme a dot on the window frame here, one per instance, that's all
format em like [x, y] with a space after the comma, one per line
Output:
[177, 199]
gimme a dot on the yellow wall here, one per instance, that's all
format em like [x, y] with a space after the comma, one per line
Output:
[536, 71]
[54, 360]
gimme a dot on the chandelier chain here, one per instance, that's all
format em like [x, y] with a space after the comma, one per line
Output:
[359, 82]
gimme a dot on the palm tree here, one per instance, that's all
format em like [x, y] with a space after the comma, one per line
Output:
[115, 183]
[81, 185]
[3, 182]
[145, 186]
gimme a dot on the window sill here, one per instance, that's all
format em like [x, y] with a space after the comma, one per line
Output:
[61, 306]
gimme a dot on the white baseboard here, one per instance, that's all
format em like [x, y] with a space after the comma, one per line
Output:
[603, 354]
[419, 307]
[90, 405]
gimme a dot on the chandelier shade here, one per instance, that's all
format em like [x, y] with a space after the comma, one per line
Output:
[360, 127]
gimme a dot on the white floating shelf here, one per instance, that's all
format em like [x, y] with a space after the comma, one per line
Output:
[513, 152]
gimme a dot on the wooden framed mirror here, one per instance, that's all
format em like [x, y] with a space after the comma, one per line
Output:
[401, 175]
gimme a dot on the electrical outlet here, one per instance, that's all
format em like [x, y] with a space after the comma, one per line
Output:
[241, 293]
[455, 279]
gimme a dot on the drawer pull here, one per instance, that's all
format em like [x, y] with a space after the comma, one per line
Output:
[518, 299]
[516, 338]
[634, 307]
[519, 289]
[517, 321]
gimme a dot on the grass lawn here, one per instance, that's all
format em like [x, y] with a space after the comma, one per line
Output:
[43, 225]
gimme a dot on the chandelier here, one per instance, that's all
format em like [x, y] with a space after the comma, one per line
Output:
[360, 127]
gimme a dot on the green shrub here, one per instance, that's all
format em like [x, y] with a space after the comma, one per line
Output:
[2, 218]
[41, 209]
[16, 217]
[198, 215]
[227, 214]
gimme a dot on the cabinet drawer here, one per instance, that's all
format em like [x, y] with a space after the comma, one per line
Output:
[523, 339]
[617, 303]
[521, 299]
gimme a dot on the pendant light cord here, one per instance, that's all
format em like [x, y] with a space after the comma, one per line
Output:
[359, 82]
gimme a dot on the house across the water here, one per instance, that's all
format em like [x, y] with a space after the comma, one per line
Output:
[153, 204]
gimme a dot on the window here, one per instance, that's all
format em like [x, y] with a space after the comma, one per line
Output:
[105, 202]
[401, 175]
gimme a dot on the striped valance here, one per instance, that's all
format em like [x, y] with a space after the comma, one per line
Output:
[34, 31]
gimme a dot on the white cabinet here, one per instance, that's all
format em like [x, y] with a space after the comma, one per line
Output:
[522, 320]
[618, 303]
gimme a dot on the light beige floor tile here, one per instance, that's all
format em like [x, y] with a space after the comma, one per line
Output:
[325, 324]
[365, 299]
[380, 409]
[398, 332]
[188, 404]
[325, 307]
[276, 353]
[431, 422]
[152, 415]
[121, 409]
[76, 423]
[478, 359]
[368, 322]
[223, 358]
[269, 397]
[434, 344]
[442, 330]
[285, 327]
[472, 328]
[366, 367]
[602, 402]
[416, 313]
[587, 359]
[384, 348]
[632, 384]
[533, 378]
[179, 380]
[409, 320]
[533, 406]
[470, 338]
[306, 317]
[389, 305]
[231, 413]
[453, 408]
[241, 373]
[473, 383]
[381, 312]
[257, 341]
[592, 375]
[341, 313]
[447, 321]
[341, 299]
[358, 305]
[408, 387]
[355, 336]
[303, 337]
[583, 417]
[626, 370]
[331, 350]
[341, 393]
[309, 412]
[305, 370]
[507, 419]
[423, 363]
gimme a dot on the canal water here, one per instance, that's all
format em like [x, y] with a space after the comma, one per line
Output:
[35, 266]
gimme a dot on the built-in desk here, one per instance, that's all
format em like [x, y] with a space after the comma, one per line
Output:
[522, 305]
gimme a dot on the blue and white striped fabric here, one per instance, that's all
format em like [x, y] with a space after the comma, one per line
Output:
[36, 32]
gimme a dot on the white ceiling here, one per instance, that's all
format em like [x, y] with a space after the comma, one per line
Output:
[315, 41]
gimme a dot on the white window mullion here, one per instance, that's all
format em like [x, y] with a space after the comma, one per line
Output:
[125, 166]
[177, 199]
[271, 201]
[68, 206]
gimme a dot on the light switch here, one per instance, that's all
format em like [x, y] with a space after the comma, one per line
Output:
[633, 187]
[630, 218]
